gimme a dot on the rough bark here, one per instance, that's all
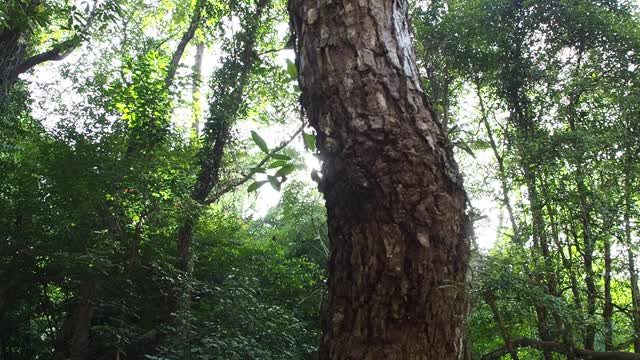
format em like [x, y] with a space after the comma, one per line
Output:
[395, 200]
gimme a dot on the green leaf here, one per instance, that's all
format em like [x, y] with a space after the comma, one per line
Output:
[277, 163]
[274, 182]
[285, 170]
[255, 186]
[292, 70]
[464, 146]
[260, 142]
[309, 141]
[260, 170]
[281, 157]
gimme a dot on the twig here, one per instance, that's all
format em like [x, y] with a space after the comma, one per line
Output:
[253, 171]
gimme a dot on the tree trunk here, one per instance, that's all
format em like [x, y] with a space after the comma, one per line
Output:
[74, 340]
[607, 313]
[502, 174]
[11, 54]
[233, 77]
[395, 200]
[633, 273]
[589, 241]
[504, 331]
[196, 106]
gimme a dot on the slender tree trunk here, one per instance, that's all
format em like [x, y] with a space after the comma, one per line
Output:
[589, 243]
[568, 263]
[539, 248]
[504, 331]
[226, 107]
[561, 324]
[607, 313]
[233, 78]
[502, 174]
[196, 107]
[395, 201]
[74, 341]
[633, 273]
[635, 295]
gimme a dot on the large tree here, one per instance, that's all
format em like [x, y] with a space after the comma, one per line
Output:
[394, 197]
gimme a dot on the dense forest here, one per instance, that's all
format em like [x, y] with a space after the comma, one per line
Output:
[273, 179]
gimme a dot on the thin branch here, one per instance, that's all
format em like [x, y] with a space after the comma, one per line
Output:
[234, 184]
[270, 51]
[560, 349]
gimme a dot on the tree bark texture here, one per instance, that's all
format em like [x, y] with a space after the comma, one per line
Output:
[394, 197]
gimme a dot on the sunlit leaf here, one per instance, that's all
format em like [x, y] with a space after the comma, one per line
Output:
[281, 157]
[255, 186]
[277, 164]
[309, 141]
[259, 141]
[292, 70]
[285, 170]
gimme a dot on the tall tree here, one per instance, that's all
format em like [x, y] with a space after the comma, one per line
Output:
[394, 197]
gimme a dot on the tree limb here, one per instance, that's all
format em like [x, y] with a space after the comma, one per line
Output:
[58, 51]
[560, 349]
[186, 38]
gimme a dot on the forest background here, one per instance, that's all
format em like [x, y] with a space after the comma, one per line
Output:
[158, 196]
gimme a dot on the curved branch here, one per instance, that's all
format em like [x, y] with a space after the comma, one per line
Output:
[56, 53]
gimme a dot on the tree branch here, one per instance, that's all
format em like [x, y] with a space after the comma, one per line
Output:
[234, 184]
[186, 38]
[560, 349]
[58, 51]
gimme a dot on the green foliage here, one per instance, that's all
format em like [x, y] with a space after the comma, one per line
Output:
[548, 77]
[97, 176]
